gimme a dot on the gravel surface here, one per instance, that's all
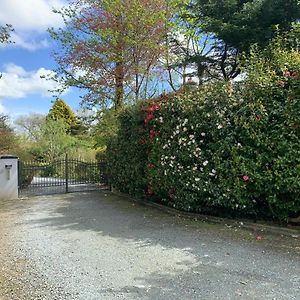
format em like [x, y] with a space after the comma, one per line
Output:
[94, 246]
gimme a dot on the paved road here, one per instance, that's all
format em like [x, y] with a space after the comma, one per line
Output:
[94, 246]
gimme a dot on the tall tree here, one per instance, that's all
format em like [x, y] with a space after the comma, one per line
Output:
[189, 51]
[7, 137]
[108, 47]
[54, 141]
[31, 125]
[60, 110]
[237, 24]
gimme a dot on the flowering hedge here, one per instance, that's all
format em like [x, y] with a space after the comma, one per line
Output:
[225, 149]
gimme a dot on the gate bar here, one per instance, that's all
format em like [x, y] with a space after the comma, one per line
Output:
[67, 173]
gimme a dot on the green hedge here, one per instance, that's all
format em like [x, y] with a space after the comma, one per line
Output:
[225, 149]
[127, 155]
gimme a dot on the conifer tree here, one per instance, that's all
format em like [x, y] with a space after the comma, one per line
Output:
[62, 111]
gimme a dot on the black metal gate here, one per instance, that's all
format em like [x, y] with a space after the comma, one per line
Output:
[61, 176]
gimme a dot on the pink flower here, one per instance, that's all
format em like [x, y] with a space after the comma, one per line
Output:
[154, 107]
[287, 73]
[245, 178]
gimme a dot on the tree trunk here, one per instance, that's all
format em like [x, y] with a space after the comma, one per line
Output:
[119, 94]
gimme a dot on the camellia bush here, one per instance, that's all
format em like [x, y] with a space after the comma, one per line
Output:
[228, 149]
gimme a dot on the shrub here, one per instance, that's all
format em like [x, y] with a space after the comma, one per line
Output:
[225, 149]
[127, 154]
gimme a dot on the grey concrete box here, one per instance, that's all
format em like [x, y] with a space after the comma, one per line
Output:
[8, 177]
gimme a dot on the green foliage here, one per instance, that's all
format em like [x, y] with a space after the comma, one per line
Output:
[61, 111]
[232, 27]
[127, 153]
[7, 136]
[240, 23]
[226, 149]
[106, 127]
[44, 138]
[54, 142]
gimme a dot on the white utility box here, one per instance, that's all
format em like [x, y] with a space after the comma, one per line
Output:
[8, 177]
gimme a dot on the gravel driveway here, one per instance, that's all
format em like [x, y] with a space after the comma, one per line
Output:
[94, 246]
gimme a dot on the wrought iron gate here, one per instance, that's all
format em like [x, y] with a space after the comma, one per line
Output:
[61, 176]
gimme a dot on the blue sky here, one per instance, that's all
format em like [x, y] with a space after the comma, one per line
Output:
[22, 63]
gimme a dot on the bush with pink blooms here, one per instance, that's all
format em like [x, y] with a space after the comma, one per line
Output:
[228, 149]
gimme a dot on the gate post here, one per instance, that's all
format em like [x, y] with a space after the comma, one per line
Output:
[8, 177]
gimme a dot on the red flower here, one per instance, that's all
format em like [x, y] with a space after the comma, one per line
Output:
[151, 166]
[148, 118]
[152, 134]
[245, 178]
[258, 238]
[152, 108]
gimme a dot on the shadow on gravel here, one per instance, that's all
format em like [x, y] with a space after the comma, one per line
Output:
[119, 217]
[227, 262]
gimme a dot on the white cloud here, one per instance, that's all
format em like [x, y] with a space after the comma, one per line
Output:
[30, 44]
[30, 19]
[19, 83]
[27, 15]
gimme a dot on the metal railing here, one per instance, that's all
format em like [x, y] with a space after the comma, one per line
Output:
[65, 175]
